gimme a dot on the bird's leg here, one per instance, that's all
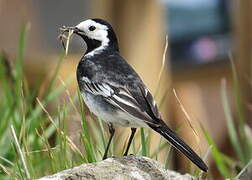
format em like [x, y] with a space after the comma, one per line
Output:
[112, 132]
[133, 131]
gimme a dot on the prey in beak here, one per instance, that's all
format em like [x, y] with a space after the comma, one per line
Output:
[65, 36]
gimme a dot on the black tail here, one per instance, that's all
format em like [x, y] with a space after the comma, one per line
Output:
[179, 144]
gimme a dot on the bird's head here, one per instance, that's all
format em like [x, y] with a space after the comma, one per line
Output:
[96, 33]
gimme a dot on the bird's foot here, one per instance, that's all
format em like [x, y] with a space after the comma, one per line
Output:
[127, 154]
[105, 157]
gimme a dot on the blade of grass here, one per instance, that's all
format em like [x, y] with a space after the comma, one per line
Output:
[102, 133]
[86, 139]
[218, 158]
[169, 157]
[19, 62]
[240, 111]
[70, 142]
[54, 75]
[144, 143]
[230, 122]
[22, 157]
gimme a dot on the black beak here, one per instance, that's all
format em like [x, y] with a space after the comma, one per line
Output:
[74, 29]
[65, 29]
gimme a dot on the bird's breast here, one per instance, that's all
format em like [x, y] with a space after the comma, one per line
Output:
[109, 113]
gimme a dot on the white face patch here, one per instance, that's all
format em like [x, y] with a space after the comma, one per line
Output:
[99, 33]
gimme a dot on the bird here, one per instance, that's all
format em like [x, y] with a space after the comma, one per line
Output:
[114, 92]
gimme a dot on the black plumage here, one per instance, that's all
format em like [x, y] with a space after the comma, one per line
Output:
[114, 91]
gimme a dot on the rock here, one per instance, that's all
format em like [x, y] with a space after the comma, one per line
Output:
[246, 172]
[127, 167]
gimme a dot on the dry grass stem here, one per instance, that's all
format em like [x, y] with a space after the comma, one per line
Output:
[164, 59]
[69, 141]
[20, 152]
[70, 33]
[5, 170]
[63, 37]
[68, 94]
[188, 118]
[42, 150]
[7, 161]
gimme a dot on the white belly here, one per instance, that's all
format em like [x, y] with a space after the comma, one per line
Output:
[109, 113]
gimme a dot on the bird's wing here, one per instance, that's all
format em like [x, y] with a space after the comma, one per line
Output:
[150, 101]
[126, 99]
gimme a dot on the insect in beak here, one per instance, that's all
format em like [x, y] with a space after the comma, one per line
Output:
[63, 36]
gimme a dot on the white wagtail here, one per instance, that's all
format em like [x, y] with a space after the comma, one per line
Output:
[114, 92]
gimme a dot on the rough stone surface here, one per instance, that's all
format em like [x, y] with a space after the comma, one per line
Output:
[246, 173]
[123, 168]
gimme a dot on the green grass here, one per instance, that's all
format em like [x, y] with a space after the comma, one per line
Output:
[34, 140]
[240, 140]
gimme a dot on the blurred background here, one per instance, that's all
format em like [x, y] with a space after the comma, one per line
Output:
[203, 38]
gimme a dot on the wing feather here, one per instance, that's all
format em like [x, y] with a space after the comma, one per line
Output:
[150, 101]
[120, 97]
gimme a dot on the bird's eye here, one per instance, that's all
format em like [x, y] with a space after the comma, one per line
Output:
[92, 28]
